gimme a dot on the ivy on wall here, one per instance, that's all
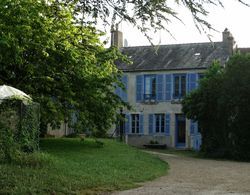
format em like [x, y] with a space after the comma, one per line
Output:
[19, 128]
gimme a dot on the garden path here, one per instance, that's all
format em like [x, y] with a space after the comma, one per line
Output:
[197, 176]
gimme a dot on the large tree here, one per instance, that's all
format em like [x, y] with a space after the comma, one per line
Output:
[62, 64]
[50, 49]
[221, 107]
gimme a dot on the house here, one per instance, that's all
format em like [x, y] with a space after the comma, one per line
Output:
[155, 84]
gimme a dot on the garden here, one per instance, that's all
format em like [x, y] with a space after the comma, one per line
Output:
[70, 166]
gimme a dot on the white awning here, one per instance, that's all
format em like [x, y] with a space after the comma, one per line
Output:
[8, 92]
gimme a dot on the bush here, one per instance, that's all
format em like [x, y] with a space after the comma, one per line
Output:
[153, 142]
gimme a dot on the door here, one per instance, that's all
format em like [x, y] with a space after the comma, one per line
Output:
[180, 130]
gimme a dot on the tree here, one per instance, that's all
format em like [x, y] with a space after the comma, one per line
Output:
[220, 106]
[49, 49]
[145, 14]
[62, 64]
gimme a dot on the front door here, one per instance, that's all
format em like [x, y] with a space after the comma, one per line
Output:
[180, 130]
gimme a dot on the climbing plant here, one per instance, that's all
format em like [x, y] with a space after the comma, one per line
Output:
[19, 129]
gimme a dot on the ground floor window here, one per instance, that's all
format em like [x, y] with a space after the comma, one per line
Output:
[135, 123]
[159, 123]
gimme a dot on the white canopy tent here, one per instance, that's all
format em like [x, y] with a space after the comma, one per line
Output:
[8, 92]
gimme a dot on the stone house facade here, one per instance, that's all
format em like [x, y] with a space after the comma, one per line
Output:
[156, 82]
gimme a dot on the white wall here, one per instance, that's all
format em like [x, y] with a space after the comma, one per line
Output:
[161, 107]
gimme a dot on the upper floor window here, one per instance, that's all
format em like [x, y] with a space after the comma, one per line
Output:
[159, 123]
[135, 128]
[150, 87]
[179, 86]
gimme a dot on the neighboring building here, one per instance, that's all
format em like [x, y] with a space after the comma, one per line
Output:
[244, 50]
[155, 84]
[63, 130]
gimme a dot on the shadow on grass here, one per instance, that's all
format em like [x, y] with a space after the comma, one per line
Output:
[184, 153]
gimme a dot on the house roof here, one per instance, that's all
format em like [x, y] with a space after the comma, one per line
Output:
[174, 57]
[244, 50]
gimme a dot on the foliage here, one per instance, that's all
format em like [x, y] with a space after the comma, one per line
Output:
[80, 168]
[220, 105]
[145, 15]
[8, 148]
[50, 50]
[61, 63]
[153, 142]
[28, 132]
[19, 129]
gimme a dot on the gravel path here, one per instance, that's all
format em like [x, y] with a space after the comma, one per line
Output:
[197, 176]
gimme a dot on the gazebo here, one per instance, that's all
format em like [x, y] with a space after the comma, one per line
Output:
[8, 92]
[19, 118]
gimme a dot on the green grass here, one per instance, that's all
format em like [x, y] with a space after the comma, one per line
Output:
[81, 168]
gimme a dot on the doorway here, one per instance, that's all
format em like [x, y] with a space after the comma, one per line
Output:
[180, 130]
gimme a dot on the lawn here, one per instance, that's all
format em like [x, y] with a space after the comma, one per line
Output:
[82, 167]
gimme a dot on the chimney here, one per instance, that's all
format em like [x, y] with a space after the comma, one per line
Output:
[116, 37]
[228, 41]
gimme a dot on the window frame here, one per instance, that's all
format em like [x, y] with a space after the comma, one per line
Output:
[152, 87]
[181, 88]
[159, 118]
[135, 123]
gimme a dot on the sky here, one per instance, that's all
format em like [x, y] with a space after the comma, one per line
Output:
[233, 16]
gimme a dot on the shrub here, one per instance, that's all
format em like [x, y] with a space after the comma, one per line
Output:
[153, 142]
[221, 107]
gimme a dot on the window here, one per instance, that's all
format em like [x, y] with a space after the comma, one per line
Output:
[159, 123]
[150, 87]
[135, 123]
[179, 86]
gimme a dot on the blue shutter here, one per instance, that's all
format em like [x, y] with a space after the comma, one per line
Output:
[159, 87]
[167, 124]
[168, 87]
[192, 81]
[124, 94]
[197, 142]
[141, 123]
[192, 127]
[150, 123]
[139, 88]
[127, 124]
[117, 90]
